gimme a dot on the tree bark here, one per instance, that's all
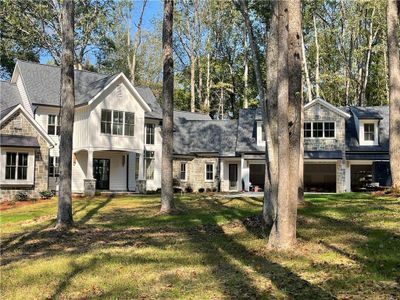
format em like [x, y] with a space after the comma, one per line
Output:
[208, 86]
[245, 73]
[67, 101]
[283, 232]
[308, 81]
[394, 91]
[317, 80]
[167, 195]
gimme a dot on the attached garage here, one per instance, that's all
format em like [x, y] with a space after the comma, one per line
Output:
[320, 177]
[257, 174]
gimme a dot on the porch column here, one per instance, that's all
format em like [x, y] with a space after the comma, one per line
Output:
[89, 182]
[221, 176]
[244, 168]
[89, 167]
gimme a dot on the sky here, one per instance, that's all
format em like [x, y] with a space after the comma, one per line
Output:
[153, 10]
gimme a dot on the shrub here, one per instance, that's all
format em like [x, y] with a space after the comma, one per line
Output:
[201, 190]
[214, 189]
[188, 189]
[21, 196]
[208, 190]
[46, 194]
[176, 182]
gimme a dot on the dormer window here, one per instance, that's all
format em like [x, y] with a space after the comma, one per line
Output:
[260, 134]
[368, 132]
[319, 130]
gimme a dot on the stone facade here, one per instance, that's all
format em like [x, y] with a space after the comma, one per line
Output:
[20, 125]
[195, 173]
[317, 113]
[320, 113]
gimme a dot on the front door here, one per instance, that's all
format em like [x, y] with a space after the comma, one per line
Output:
[101, 172]
[233, 176]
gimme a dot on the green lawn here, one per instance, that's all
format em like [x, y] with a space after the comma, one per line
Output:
[348, 248]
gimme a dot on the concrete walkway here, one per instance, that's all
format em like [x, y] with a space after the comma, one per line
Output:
[246, 194]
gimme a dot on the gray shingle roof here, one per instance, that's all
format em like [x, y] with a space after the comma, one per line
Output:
[9, 97]
[352, 143]
[148, 96]
[247, 131]
[42, 83]
[366, 112]
[206, 136]
[19, 141]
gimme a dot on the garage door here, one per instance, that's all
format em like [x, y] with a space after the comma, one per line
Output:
[257, 174]
[320, 178]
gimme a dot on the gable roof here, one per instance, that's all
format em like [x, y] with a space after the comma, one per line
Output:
[247, 130]
[42, 83]
[29, 117]
[148, 96]
[327, 105]
[9, 97]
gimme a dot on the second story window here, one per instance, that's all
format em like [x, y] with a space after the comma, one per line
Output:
[150, 128]
[106, 121]
[53, 125]
[118, 122]
[129, 123]
[319, 129]
[369, 132]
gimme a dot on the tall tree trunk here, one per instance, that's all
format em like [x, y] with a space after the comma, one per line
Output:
[270, 187]
[245, 73]
[208, 86]
[200, 88]
[136, 44]
[167, 195]
[67, 100]
[393, 7]
[317, 80]
[283, 234]
[192, 83]
[308, 81]
[295, 110]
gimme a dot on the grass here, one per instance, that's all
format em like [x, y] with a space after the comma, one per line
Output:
[348, 248]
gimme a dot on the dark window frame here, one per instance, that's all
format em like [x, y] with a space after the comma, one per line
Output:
[209, 172]
[54, 167]
[183, 171]
[17, 169]
[53, 124]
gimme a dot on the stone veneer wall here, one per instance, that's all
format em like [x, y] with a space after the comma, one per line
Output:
[318, 112]
[195, 170]
[41, 157]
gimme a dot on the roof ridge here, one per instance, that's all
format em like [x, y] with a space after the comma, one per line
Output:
[58, 67]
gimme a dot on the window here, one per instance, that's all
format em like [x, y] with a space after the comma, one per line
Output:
[329, 129]
[183, 171]
[369, 132]
[54, 169]
[16, 166]
[106, 121]
[318, 130]
[118, 122]
[209, 172]
[262, 137]
[53, 125]
[149, 160]
[137, 162]
[150, 134]
[307, 130]
[129, 123]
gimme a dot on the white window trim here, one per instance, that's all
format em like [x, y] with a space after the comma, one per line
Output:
[57, 119]
[30, 172]
[154, 133]
[205, 172]
[180, 170]
[123, 123]
[363, 142]
[260, 141]
[323, 130]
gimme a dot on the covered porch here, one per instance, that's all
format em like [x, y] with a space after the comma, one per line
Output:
[106, 171]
